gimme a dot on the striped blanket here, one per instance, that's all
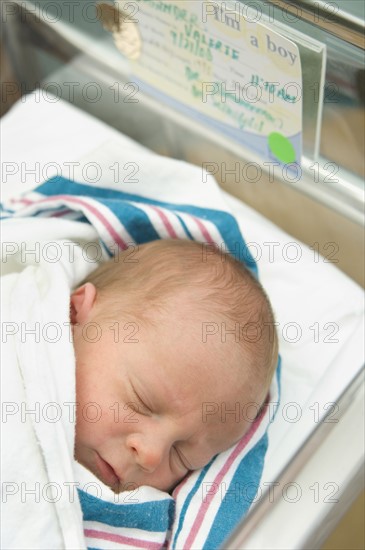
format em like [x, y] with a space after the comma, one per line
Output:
[94, 221]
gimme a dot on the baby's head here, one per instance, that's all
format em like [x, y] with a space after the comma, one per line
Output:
[175, 349]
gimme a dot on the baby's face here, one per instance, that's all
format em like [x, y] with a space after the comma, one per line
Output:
[145, 401]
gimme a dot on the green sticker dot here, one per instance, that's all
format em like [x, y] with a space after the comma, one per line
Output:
[281, 147]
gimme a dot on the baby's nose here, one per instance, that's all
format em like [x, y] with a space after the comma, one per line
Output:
[146, 453]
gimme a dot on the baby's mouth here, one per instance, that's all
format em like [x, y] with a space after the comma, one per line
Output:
[107, 473]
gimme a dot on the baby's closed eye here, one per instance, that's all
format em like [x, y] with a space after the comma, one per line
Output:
[137, 408]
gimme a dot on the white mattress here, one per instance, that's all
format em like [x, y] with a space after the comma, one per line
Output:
[41, 137]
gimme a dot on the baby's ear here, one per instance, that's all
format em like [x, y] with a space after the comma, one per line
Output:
[81, 303]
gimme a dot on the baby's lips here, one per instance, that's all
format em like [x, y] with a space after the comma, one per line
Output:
[106, 472]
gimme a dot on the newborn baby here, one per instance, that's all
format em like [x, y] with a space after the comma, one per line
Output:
[171, 341]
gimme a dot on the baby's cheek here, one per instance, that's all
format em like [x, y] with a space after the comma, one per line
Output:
[89, 424]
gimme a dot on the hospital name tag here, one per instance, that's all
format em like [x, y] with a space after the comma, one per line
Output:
[219, 66]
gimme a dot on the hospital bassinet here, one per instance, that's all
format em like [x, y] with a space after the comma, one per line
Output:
[320, 460]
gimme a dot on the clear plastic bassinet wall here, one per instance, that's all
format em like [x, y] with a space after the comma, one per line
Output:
[206, 82]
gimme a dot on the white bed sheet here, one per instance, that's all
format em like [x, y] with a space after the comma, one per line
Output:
[42, 137]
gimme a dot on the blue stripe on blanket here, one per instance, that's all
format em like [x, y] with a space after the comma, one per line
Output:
[243, 488]
[239, 496]
[189, 498]
[184, 226]
[137, 222]
[156, 516]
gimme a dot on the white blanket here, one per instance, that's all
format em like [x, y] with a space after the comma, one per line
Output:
[38, 397]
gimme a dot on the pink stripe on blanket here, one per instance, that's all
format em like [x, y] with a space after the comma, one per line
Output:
[24, 201]
[117, 239]
[171, 231]
[63, 213]
[204, 230]
[236, 451]
[134, 543]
